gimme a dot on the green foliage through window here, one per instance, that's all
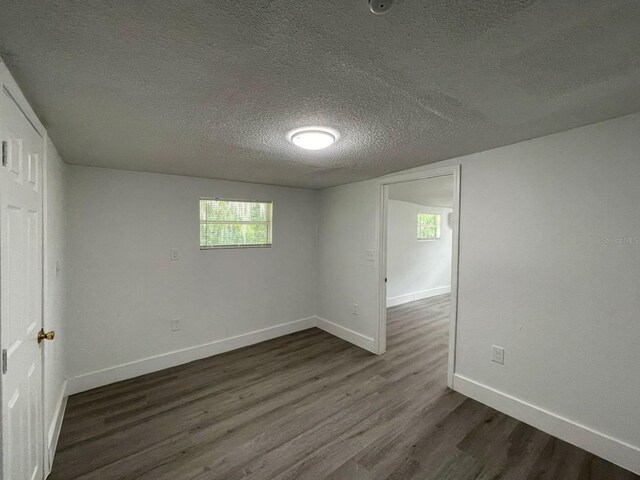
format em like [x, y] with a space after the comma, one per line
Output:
[428, 226]
[234, 223]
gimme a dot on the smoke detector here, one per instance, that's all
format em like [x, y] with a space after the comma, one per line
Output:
[380, 6]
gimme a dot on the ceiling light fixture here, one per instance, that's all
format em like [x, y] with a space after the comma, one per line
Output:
[313, 138]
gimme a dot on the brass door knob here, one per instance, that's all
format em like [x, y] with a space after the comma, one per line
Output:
[46, 336]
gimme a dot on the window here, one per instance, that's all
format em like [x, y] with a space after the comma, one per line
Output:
[234, 223]
[428, 226]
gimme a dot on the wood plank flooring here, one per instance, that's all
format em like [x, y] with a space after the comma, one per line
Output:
[311, 406]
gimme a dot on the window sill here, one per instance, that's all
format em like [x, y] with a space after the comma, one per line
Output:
[227, 247]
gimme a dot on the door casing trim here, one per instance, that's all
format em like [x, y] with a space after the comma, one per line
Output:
[384, 182]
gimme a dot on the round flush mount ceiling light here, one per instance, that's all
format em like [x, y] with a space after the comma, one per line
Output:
[313, 138]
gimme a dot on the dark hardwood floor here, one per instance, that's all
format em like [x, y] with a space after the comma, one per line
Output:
[311, 406]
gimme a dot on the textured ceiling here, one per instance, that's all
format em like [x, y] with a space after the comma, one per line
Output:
[210, 88]
[430, 192]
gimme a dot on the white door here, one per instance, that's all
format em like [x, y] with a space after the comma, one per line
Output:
[21, 294]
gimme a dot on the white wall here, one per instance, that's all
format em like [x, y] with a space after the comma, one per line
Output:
[347, 227]
[55, 311]
[416, 268]
[544, 271]
[125, 290]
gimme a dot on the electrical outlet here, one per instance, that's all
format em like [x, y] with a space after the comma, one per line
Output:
[173, 254]
[354, 309]
[176, 324]
[368, 256]
[497, 354]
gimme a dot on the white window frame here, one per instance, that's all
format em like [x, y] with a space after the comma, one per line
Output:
[269, 224]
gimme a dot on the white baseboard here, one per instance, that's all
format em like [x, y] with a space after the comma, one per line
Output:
[609, 448]
[350, 336]
[56, 425]
[178, 357]
[412, 297]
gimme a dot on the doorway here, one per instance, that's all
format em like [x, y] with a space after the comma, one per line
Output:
[419, 254]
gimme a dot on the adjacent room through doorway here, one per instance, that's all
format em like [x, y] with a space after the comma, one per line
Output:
[419, 239]
[419, 261]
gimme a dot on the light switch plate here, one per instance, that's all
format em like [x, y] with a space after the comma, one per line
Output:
[176, 324]
[497, 354]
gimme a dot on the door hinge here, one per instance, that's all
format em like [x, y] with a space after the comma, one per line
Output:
[4, 153]
[4, 361]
